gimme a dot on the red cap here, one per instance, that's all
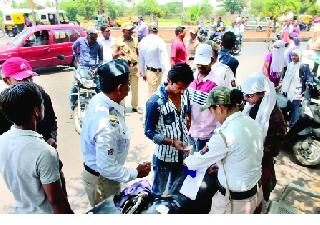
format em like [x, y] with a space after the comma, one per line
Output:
[17, 68]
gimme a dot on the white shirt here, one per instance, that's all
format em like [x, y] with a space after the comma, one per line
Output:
[222, 74]
[153, 53]
[26, 163]
[242, 152]
[107, 48]
[105, 139]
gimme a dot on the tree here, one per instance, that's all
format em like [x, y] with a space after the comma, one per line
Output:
[149, 7]
[277, 8]
[233, 6]
[171, 9]
[203, 8]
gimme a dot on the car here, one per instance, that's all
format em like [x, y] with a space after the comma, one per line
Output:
[44, 45]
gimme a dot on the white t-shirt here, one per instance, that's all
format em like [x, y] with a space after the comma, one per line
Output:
[222, 74]
[27, 162]
[107, 48]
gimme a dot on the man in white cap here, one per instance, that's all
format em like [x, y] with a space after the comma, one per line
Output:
[126, 47]
[153, 59]
[202, 123]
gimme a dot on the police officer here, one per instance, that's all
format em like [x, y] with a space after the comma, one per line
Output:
[126, 47]
[105, 136]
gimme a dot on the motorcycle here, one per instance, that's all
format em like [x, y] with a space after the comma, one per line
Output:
[237, 48]
[86, 90]
[304, 137]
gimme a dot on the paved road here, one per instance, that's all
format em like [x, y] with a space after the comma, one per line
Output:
[57, 82]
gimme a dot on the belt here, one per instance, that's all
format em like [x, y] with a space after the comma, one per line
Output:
[154, 69]
[89, 170]
[132, 64]
[239, 195]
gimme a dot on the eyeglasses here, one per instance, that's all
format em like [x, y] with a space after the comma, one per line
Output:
[249, 95]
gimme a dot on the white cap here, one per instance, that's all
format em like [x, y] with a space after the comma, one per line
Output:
[203, 54]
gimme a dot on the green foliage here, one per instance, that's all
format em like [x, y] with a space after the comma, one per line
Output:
[171, 9]
[277, 8]
[233, 6]
[24, 4]
[313, 9]
[149, 7]
[204, 8]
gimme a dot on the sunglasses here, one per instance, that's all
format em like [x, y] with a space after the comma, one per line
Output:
[249, 95]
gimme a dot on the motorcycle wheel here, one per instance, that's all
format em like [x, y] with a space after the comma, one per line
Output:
[307, 151]
[79, 115]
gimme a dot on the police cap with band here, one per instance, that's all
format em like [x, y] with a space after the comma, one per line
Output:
[113, 68]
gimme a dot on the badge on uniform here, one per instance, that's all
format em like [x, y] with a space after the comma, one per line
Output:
[110, 152]
[113, 120]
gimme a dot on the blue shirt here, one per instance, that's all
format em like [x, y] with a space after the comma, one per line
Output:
[226, 58]
[88, 55]
[164, 120]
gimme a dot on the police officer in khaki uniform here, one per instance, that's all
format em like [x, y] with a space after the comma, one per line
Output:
[126, 47]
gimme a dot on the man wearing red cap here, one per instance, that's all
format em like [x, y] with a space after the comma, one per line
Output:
[15, 70]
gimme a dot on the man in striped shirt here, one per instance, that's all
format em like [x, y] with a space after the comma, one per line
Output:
[166, 126]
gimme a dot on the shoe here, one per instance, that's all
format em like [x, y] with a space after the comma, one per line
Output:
[134, 110]
[71, 116]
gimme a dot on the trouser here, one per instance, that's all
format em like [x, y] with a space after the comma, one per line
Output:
[198, 144]
[154, 80]
[98, 188]
[315, 69]
[295, 112]
[134, 81]
[162, 171]
[222, 205]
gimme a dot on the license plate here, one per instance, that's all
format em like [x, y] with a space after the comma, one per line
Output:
[9, 27]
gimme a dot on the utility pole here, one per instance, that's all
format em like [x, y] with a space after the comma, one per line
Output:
[57, 12]
[31, 4]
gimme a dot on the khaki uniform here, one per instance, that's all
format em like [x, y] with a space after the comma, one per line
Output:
[130, 49]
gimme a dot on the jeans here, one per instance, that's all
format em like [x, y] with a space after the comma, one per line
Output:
[198, 144]
[74, 90]
[164, 170]
[295, 112]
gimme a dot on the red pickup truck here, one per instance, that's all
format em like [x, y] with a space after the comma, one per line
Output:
[44, 45]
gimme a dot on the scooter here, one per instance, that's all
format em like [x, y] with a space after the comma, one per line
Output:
[304, 137]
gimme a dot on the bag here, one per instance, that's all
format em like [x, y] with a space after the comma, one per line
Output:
[135, 198]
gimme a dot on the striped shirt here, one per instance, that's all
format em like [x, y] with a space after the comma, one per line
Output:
[164, 120]
[202, 122]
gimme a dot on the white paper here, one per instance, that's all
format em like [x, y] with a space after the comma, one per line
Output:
[190, 186]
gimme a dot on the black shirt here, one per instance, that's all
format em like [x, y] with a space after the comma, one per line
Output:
[47, 127]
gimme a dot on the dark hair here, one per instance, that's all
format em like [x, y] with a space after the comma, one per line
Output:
[18, 102]
[109, 84]
[179, 29]
[103, 28]
[181, 72]
[228, 40]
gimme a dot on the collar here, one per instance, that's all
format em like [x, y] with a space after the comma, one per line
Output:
[225, 50]
[21, 132]
[112, 103]
[210, 76]
[162, 93]
[230, 118]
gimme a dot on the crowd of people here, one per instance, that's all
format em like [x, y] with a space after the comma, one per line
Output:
[234, 134]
